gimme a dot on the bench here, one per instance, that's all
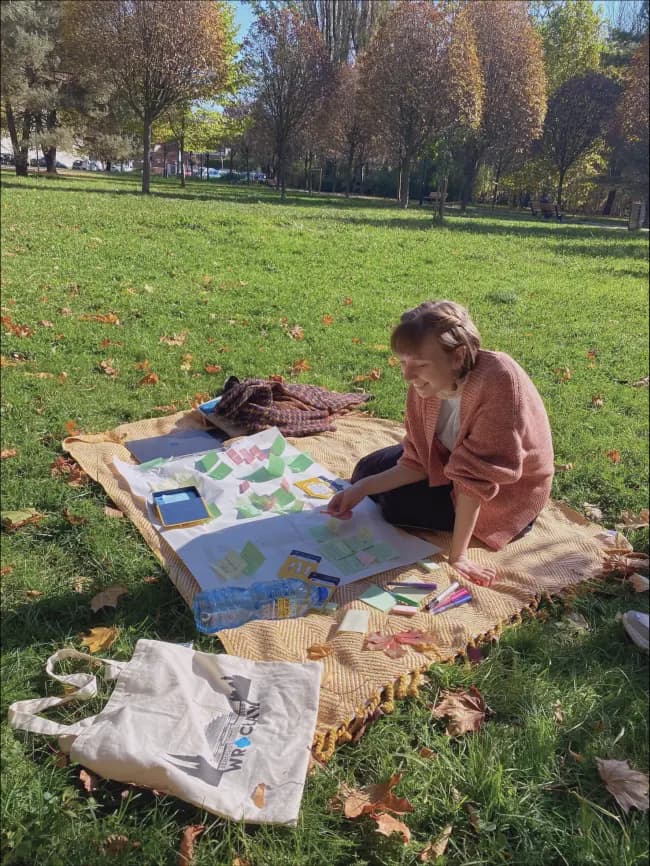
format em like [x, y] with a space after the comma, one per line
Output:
[432, 199]
[546, 209]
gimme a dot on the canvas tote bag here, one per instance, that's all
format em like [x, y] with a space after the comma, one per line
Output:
[206, 728]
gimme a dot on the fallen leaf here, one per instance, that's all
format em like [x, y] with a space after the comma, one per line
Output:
[100, 638]
[108, 598]
[12, 520]
[40, 375]
[45, 324]
[558, 712]
[108, 368]
[639, 582]
[74, 519]
[16, 329]
[186, 850]
[614, 456]
[357, 340]
[591, 511]
[33, 593]
[61, 760]
[394, 645]
[297, 333]
[300, 366]
[212, 368]
[387, 825]
[576, 621]
[372, 799]
[259, 795]
[117, 844]
[563, 467]
[104, 319]
[112, 512]
[596, 401]
[65, 311]
[562, 373]
[327, 320]
[105, 343]
[149, 379]
[8, 452]
[239, 861]
[628, 786]
[71, 428]
[66, 467]
[580, 759]
[174, 340]
[474, 816]
[143, 365]
[347, 302]
[186, 362]
[465, 710]
[436, 849]
[592, 354]
[150, 578]
[393, 361]
[5, 570]
[80, 583]
[633, 521]
[625, 562]
[425, 752]
[319, 651]
[641, 383]
[88, 780]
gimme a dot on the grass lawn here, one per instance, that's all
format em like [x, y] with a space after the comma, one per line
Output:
[233, 270]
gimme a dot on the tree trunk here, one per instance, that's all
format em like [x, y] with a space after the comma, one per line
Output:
[306, 175]
[109, 163]
[405, 174]
[50, 160]
[609, 204]
[334, 177]
[146, 156]
[469, 175]
[348, 173]
[496, 186]
[442, 195]
[560, 184]
[21, 151]
[181, 159]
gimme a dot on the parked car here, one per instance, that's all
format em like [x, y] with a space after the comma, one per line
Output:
[258, 177]
[7, 159]
[80, 164]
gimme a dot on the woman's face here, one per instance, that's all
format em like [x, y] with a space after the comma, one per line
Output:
[430, 369]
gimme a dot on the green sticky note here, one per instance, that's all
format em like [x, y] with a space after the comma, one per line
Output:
[213, 510]
[278, 446]
[377, 597]
[253, 557]
[335, 549]
[297, 505]
[283, 498]
[276, 466]
[412, 595]
[320, 532]
[349, 564]
[220, 471]
[383, 551]
[358, 542]
[245, 511]
[206, 462]
[300, 463]
[151, 464]
[260, 475]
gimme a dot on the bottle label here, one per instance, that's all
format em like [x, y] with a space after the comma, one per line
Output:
[283, 607]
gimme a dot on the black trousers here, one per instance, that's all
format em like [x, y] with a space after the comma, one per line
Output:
[415, 505]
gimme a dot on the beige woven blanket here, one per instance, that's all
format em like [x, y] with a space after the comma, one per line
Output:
[358, 684]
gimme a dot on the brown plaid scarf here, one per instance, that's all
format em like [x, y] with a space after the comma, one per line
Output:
[296, 410]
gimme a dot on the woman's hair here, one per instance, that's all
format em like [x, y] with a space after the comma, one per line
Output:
[447, 321]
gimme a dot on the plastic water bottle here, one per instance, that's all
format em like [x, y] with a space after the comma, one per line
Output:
[229, 607]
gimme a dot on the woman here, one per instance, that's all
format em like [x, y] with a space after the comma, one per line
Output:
[477, 458]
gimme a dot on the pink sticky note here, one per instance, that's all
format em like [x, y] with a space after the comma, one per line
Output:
[258, 453]
[243, 487]
[246, 455]
[234, 456]
[404, 610]
[366, 557]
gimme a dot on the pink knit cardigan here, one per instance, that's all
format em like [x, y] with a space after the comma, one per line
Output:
[503, 454]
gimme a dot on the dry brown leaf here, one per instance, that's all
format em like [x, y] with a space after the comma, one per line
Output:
[33, 593]
[596, 401]
[45, 324]
[61, 760]
[426, 752]
[319, 651]
[16, 329]
[466, 711]
[592, 354]
[328, 320]
[212, 368]
[239, 861]
[5, 570]
[66, 467]
[103, 318]
[300, 366]
[143, 365]
[437, 848]
[150, 578]
[8, 452]
[393, 361]
[357, 340]
[641, 383]
[71, 428]
[614, 456]
[112, 512]
[580, 759]
[105, 343]
[558, 712]
[563, 467]
[628, 786]
[74, 519]
[297, 333]
[259, 795]
[625, 562]
[474, 816]
[12, 520]
[592, 511]
[186, 362]
[174, 340]
[347, 302]
[88, 780]
[639, 582]
[80, 583]
[40, 375]
[100, 638]
[628, 520]
[149, 379]
[108, 368]
[108, 598]
[387, 825]
[562, 373]
[116, 844]
[373, 799]
[186, 850]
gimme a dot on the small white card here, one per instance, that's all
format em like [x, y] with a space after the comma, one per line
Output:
[355, 620]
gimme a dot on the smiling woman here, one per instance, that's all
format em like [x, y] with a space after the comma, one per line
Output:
[477, 457]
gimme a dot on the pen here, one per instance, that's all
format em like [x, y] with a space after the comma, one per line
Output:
[414, 585]
[449, 606]
[443, 595]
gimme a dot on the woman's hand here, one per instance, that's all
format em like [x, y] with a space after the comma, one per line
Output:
[480, 574]
[342, 503]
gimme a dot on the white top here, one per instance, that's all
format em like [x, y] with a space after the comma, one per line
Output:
[449, 422]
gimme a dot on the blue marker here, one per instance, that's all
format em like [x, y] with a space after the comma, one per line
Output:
[451, 604]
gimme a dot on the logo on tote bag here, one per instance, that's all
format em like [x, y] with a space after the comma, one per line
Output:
[228, 737]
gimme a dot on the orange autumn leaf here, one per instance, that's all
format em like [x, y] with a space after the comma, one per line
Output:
[628, 786]
[44, 323]
[74, 519]
[372, 799]
[375, 374]
[103, 318]
[170, 407]
[16, 329]
[212, 368]
[562, 373]
[186, 362]
[105, 343]
[259, 795]
[33, 593]
[596, 401]
[149, 379]
[13, 520]
[393, 361]
[174, 340]
[99, 639]
[328, 320]
[108, 368]
[319, 651]
[357, 340]
[71, 428]
[143, 365]
[108, 598]
[466, 710]
[614, 456]
[66, 467]
[300, 366]
[425, 752]
[347, 302]
[116, 844]
[436, 848]
[387, 825]
[8, 452]
[186, 850]
[5, 570]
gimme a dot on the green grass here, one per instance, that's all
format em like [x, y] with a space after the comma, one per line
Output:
[227, 265]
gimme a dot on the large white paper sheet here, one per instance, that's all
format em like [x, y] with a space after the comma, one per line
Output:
[263, 516]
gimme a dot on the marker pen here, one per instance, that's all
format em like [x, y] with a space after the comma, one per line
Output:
[452, 604]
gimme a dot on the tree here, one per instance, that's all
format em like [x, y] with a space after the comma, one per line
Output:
[158, 53]
[573, 41]
[345, 25]
[514, 84]
[578, 115]
[349, 129]
[634, 122]
[411, 85]
[289, 69]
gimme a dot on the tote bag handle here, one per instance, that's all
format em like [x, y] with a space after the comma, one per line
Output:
[24, 715]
